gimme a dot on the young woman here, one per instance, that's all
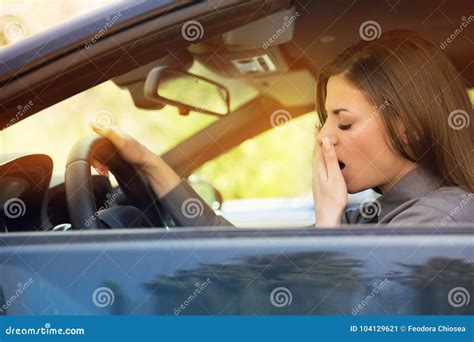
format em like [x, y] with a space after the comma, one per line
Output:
[396, 118]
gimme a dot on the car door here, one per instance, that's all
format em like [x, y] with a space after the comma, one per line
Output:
[353, 271]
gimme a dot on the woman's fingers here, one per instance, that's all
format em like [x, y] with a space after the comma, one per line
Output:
[319, 164]
[112, 133]
[100, 168]
[103, 131]
[330, 157]
[114, 136]
[329, 187]
[129, 148]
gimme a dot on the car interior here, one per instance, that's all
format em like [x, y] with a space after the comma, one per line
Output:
[249, 76]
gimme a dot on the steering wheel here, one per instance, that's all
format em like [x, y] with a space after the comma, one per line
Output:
[146, 209]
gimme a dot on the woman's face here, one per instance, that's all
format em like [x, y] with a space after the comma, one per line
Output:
[356, 129]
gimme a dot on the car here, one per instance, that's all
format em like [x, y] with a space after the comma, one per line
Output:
[251, 52]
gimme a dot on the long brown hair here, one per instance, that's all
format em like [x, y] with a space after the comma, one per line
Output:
[420, 88]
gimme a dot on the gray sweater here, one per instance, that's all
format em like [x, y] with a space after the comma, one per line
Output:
[417, 198]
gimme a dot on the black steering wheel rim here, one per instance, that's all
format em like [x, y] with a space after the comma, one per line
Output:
[78, 180]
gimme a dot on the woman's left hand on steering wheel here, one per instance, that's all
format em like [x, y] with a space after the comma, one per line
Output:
[161, 176]
[129, 148]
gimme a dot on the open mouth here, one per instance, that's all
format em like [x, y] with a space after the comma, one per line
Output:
[341, 165]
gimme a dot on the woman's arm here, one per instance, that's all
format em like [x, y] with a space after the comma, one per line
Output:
[161, 176]
[185, 206]
[188, 209]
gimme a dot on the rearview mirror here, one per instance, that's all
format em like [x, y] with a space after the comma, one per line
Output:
[185, 90]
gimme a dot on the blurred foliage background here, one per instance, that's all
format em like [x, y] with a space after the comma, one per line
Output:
[274, 164]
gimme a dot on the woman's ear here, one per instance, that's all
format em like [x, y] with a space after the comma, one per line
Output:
[402, 131]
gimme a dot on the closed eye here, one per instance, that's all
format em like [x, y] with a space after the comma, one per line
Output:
[344, 127]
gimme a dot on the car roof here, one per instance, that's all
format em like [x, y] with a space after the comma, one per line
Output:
[44, 47]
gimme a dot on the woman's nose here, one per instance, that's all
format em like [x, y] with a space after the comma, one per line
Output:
[326, 132]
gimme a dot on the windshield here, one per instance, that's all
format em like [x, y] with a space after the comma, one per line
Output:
[54, 130]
